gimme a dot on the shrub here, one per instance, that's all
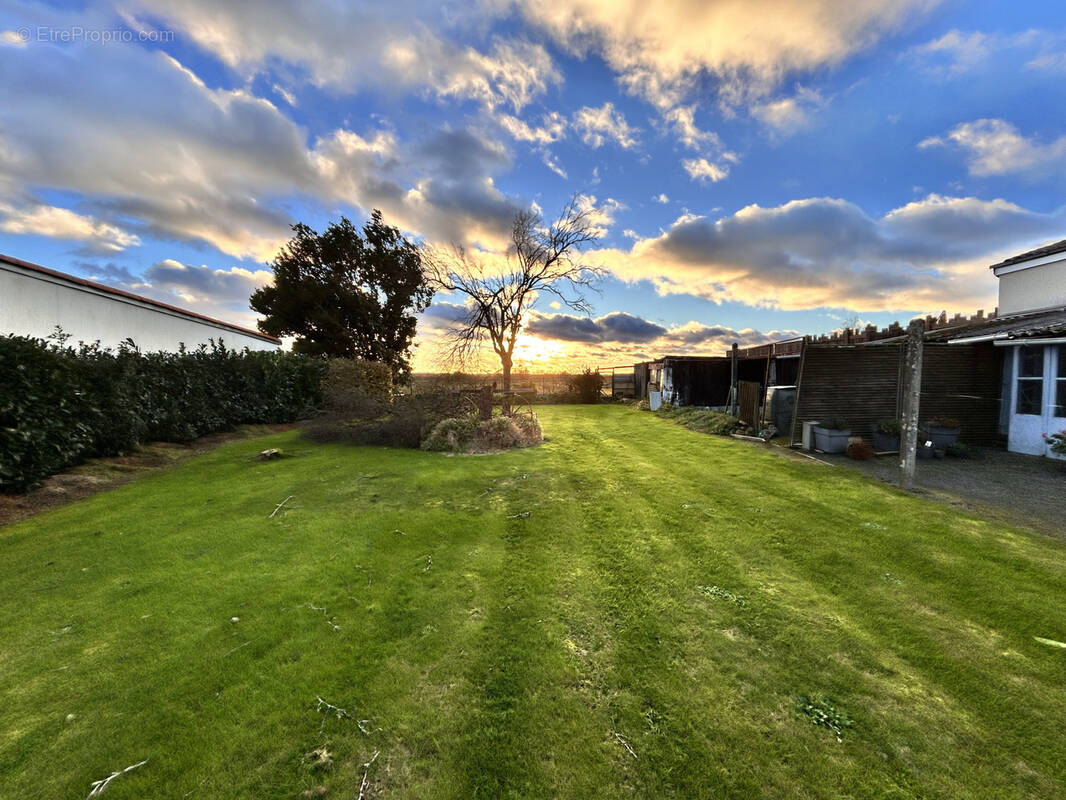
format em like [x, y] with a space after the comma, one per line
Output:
[943, 422]
[586, 386]
[450, 435]
[372, 378]
[1057, 442]
[890, 427]
[466, 435]
[60, 405]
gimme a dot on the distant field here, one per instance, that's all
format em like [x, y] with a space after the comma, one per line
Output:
[630, 610]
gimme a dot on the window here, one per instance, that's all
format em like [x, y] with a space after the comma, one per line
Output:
[1030, 380]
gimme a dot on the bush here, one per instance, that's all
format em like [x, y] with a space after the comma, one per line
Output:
[586, 387]
[60, 405]
[466, 435]
[943, 422]
[403, 423]
[890, 427]
[450, 435]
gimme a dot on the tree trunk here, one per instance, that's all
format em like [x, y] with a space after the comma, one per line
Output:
[506, 364]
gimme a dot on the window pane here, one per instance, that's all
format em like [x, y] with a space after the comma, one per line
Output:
[1029, 396]
[1062, 360]
[1030, 361]
[1060, 397]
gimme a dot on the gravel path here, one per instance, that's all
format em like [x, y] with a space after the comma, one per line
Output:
[1006, 486]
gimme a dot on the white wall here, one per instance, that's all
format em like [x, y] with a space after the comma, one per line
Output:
[1032, 288]
[33, 304]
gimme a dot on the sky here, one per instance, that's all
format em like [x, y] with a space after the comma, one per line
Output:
[760, 169]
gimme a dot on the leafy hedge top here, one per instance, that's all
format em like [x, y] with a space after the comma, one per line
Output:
[61, 405]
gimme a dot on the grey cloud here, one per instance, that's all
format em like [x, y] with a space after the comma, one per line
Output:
[614, 327]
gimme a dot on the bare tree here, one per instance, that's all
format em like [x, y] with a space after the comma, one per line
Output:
[542, 259]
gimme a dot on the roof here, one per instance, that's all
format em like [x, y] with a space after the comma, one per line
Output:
[1030, 325]
[18, 262]
[1040, 252]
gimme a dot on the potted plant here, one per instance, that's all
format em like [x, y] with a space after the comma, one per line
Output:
[941, 431]
[831, 435]
[1056, 442]
[886, 435]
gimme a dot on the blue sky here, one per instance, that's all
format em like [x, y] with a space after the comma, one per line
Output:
[760, 169]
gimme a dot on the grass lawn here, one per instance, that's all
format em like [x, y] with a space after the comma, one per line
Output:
[630, 610]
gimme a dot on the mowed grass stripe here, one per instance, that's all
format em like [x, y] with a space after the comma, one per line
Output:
[495, 655]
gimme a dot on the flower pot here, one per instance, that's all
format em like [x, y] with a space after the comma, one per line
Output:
[925, 452]
[942, 438]
[831, 441]
[885, 441]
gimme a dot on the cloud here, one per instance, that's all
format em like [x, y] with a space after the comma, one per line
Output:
[202, 165]
[700, 169]
[661, 198]
[789, 114]
[551, 129]
[12, 38]
[346, 47]
[926, 255]
[614, 327]
[205, 284]
[597, 126]
[619, 337]
[996, 147]
[97, 236]
[662, 50]
[958, 53]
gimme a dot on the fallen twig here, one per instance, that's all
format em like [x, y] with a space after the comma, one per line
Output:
[329, 619]
[366, 772]
[235, 649]
[523, 515]
[99, 786]
[278, 508]
[332, 709]
[624, 742]
[399, 532]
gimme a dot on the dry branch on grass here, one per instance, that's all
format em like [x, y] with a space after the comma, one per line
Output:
[98, 787]
[279, 505]
[366, 773]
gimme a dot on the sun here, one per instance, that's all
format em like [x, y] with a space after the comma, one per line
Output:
[538, 351]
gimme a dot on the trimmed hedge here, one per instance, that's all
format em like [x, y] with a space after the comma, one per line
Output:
[60, 405]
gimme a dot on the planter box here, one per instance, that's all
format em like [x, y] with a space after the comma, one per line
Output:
[885, 442]
[925, 452]
[942, 438]
[830, 441]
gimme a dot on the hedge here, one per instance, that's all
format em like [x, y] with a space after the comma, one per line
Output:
[60, 405]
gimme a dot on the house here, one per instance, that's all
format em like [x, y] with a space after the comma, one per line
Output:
[1031, 332]
[34, 300]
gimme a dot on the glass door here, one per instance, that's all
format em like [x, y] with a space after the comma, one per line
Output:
[1027, 420]
[1056, 408]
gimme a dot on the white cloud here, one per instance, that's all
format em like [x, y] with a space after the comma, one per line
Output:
[661, 50]
[551, 129]
[602, 214]
[700, 169]
[12, 38]
[62, 223]
[786, 115]
[925, 255]
[552, 163]
[661, 198]
[186, 161]
[996, 147]
[600, 125]
[350, 46]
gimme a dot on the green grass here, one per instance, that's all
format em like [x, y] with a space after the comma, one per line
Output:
[719, 610]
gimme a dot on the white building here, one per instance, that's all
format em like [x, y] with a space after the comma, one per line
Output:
[1032, 327]
[34, 300]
